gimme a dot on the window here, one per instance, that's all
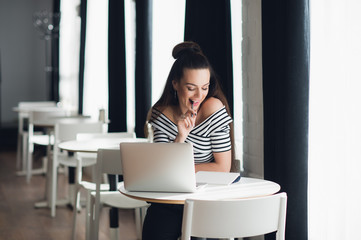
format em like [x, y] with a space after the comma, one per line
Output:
[96, 59]
[69, 55]
[334, 120]
[129, 12]
[236, 20]
[168, 31]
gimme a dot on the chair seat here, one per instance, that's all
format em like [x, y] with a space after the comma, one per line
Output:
[92, 186]
[86, 156]
[118, 200]
[43, 140]
[71, 161]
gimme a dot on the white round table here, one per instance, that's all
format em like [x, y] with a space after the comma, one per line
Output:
[92, 145]
[245, 188]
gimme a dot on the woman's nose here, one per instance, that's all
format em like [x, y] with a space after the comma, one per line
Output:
[197, 93]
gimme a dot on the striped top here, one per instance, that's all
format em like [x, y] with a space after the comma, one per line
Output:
[211, 135]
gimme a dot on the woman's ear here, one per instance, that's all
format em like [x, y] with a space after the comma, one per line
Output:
[175, 85]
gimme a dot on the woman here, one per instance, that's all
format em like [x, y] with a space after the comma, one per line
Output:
[192, 109]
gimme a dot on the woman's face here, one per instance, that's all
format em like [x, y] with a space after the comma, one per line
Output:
[192, 88]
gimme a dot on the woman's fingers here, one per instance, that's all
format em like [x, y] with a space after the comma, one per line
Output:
[187, 121]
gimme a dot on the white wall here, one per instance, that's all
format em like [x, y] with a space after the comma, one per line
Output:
[252, 89]
[22, 56]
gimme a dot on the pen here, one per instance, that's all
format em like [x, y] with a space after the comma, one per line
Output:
[192, 107]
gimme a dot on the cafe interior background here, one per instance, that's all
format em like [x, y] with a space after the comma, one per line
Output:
[290, 70]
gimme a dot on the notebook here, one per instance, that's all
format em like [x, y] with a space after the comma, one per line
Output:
[158, 167]
[217, 178]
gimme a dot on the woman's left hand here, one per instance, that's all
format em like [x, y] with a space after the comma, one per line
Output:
[185, 123]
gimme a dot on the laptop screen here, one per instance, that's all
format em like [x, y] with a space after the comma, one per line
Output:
[158, 167]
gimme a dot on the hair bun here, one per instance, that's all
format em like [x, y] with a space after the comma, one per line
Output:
[185, 47]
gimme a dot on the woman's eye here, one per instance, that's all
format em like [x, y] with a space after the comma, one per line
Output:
[205, 89]
[191, 89]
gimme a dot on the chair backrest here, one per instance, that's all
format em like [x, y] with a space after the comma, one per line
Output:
[86, 136]
[31, 105]
[108, 162]
[235, 218]
[66, 131]
[36, 117]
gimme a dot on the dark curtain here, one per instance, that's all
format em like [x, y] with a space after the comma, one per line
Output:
[143, 63]
[117, 70]
[285, 46]
[83, 7]
[54, 85]
[208, 23]
[0, 89]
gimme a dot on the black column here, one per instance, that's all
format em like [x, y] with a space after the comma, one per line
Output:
[143, 64]
[83, 7]
[208, 23]
[0, 90]
[285, 46]
[54, 85]
[117, 68]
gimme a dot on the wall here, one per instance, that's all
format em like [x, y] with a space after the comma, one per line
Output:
[252, 89]
[22, 56]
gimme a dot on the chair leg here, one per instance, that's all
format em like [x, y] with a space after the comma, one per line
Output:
[114, 233]
[75, 213]
[72, 196]
[47, 170]
[24, 154]
[94, 172]
[29, 165]
[78, 179]
[88, 215]
[138, 222]
[94, 219]
[54, 174]
[19, 148]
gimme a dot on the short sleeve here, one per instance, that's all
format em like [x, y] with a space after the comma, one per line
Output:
[220, 133]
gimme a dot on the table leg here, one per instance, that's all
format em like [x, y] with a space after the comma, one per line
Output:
[114, 223]
[113, 212]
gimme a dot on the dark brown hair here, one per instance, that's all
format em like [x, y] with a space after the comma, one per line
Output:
[189, 55]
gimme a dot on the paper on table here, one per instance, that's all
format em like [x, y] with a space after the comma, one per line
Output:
[216, 178]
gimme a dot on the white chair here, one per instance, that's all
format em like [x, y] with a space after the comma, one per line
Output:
[87, 136]
[37, 119]
[23, 108]
[109, 162]
[82, 156]
[66, 132]
[235, 218]
[91, 186]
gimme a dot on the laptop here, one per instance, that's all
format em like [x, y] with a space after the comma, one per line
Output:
[158, 167]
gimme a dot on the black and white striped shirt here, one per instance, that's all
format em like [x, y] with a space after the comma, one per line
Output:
[212, 135]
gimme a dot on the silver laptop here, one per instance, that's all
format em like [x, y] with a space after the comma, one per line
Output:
[158, 167]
